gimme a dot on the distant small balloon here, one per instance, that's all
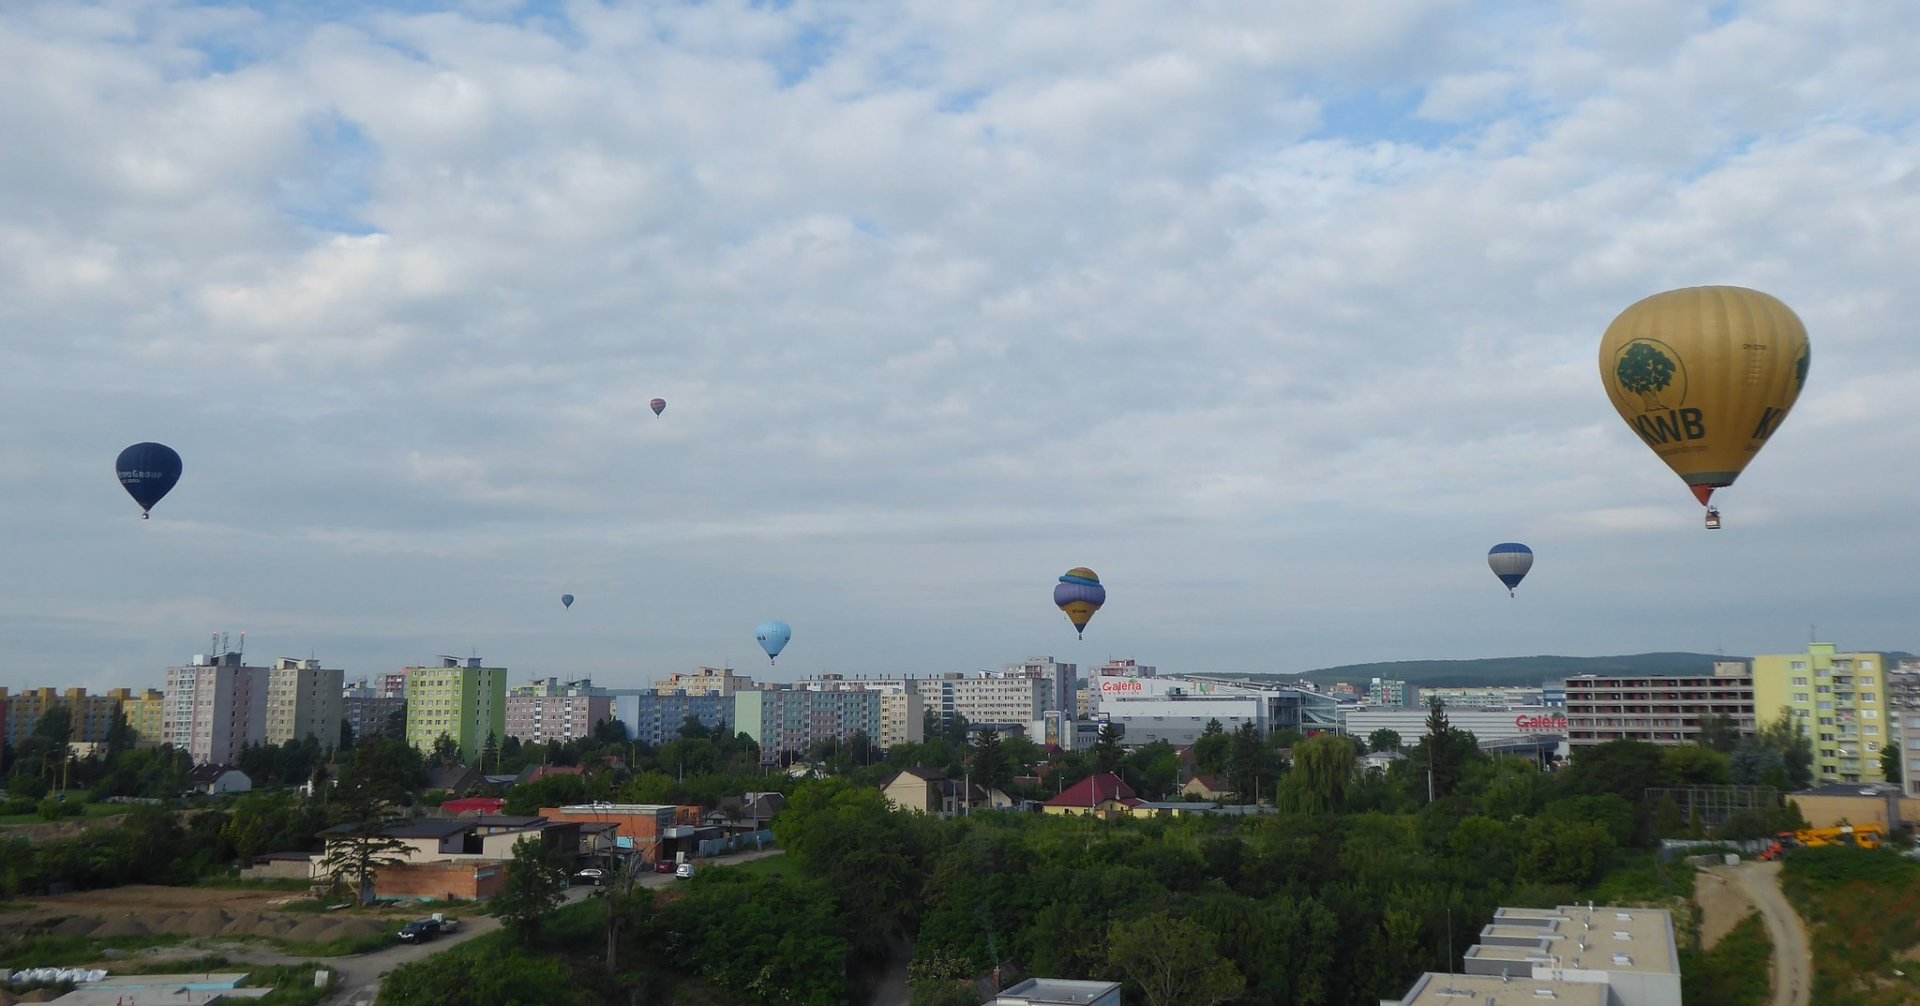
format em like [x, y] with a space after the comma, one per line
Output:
[1079, 594]
[1510, 561]
[147, 472]
[773, 637]
[566, 600]
[659, 405]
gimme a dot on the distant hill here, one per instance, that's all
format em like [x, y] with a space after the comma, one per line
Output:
[1509, 670]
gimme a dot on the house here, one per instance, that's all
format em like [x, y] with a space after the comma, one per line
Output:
[1380, 761]
[748, 812]
[1178, 808]
[1105, 794]
[930, 791]
[457, 780]
[214, 780]
[539, 772]
[1207, 788]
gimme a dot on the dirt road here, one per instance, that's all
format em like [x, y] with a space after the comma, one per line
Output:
[1792, 956]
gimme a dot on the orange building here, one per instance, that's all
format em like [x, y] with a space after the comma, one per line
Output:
[641, 825]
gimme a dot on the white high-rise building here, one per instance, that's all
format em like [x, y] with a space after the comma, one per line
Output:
[214, 707]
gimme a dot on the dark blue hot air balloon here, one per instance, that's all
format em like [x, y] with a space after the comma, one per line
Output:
[1510, 561]
[566, 600]
[773, 637]
[147, 472]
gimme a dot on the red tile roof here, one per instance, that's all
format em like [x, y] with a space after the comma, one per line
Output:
[1094, 790]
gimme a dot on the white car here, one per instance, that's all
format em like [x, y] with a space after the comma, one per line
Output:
[683, 871]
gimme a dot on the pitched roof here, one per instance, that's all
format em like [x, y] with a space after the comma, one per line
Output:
[1094, 789]
[210, 773]
[1212, 783]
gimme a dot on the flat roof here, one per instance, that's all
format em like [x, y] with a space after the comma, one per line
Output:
[1540, 952]
[1056, 992]
[1638, 940]
[617, 808]
[1476, 990]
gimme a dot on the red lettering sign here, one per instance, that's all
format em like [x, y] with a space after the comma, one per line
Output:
[1541, 724]
[1120, 686]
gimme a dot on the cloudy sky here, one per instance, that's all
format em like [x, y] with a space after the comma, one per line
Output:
[1276, 315]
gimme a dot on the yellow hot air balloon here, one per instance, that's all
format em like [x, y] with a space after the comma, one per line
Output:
[1704, 375]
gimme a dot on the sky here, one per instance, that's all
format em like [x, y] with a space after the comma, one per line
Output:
[1276, 315]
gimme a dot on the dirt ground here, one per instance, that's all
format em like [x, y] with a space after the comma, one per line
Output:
[1723, 903]
[199, 912]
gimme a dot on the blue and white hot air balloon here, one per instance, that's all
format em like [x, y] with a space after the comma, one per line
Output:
[773, 637]
[1510, 561]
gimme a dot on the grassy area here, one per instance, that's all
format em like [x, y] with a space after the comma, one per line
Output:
[1736, 972]
[46, 950]
[1862, 908]
[90, 810]
[1637, 877]
[292, 984]
[771, 866]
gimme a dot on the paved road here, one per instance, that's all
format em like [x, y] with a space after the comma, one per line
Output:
[357, 978]
[1792, 958]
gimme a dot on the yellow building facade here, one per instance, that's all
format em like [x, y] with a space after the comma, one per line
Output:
[1840, 698]
[146, 712]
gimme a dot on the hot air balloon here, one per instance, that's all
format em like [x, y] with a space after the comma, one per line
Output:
[773, 637]
[658, 405]
[1704, 376]
[566, 600]
[1510, 561]
[1079, 594]
[147, 472]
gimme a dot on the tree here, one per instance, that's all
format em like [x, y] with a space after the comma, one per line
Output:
[320, 782]
[1438, 755]
[989, 763]
[446, 751]
[536, 885]
[346, 736]
[55, 726]
[1246, 763]
[1625, 768]
[1697, 765]
[1646, 372]
[1788, 735]
[627, 904]
[1174, 961]
[1210, 751]
[1322, 773]
[1890, 764]
[1383, 739]
[1106, 751]
[355, 853]
[490, 753]
[1720, 732]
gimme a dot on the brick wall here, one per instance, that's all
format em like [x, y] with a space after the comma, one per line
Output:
[467, 881]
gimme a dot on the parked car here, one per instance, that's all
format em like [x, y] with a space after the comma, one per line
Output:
[591, 875]
[663, 866]
[421, 931]
[683, 871]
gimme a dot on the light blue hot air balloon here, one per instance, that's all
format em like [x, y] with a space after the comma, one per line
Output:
[1510, 561]
[566, 600]
[773, 637]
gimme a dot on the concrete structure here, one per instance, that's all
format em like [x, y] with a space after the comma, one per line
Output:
[89, 716]
[1177, 709]
[1903, 710]
[903, 719]
[1629, 953]
[199, 989]
[1391, 692]
[1841, 803]
[1838, 697]
[1473, 990]
[368, 706]
[1058, 992]
[705, 681]
[303, 700]
[1489, 726]
[466, 701]
[1665, 709]
[215, 706]
[547, 712]
[790, 720]
[1485, 697]
[146, 713]
[655, 717]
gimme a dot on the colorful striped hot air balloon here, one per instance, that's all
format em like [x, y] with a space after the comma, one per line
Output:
[1079, 594]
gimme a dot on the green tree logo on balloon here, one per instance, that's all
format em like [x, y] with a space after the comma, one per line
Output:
[1800, 370]
[1646, 372]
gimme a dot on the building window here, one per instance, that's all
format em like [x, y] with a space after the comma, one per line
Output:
[1801, 681]
[1867, 697]
[1799, 696]
[1822, 689]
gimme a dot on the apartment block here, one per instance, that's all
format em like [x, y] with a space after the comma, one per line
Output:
[1903, 714]
[705, 681]
[146, 713]
[552, 712]
[1061, 679]
[214, 707]
[89, 716]
[783, 720]
[368, 705]
[902, 719]
[1666, 709]
[1391, 692]
[1841, 700]
[1485, 697]
[654, 718]
[303, 700]
[463, 700]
